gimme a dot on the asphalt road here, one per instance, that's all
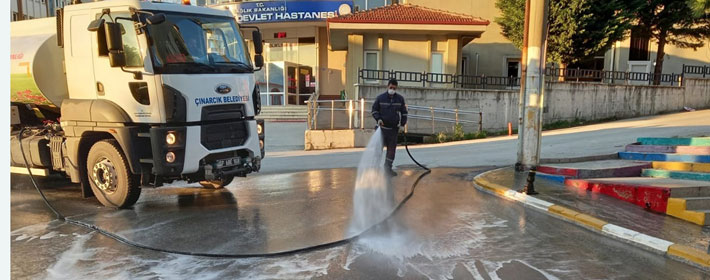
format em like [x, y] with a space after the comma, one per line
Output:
[446, 230]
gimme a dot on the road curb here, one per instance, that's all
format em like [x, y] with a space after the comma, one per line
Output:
[655, 245]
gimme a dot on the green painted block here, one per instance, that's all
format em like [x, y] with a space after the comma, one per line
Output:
[695, 141]
[682, 175]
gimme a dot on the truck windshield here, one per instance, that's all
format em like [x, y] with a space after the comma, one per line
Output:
[189, 43]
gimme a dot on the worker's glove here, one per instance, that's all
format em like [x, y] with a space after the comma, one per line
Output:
[401, 129]
[380, 123]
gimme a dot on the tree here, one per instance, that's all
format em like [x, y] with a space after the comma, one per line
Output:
[578, 29]
[673, 22]
[700, 7]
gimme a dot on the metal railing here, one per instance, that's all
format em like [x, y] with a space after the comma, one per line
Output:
[552, 74]
[356, 114]
[703, 70]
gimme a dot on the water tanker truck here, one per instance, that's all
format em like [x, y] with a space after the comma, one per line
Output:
[124, 94]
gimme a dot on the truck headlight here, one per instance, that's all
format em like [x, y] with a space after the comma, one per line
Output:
[259, 129]
[261, 144]
[170, 138]
[170, 157]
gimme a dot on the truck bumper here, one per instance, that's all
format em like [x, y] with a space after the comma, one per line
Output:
[208, 152]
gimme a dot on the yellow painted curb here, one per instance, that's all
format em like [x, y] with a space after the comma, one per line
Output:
[690, 254]
[562, 211]
[490, 185]
[590, 221]
[682, 166]
[676, 208]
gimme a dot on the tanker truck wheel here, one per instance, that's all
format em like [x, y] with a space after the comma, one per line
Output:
[110, 177]
[217, 184]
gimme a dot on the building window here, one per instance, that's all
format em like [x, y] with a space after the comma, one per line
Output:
[464, 65]
[437, 63]
[372, 62]
[513, 67]
[638, 49]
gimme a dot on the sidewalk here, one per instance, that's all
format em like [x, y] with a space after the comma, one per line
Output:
[621, 220]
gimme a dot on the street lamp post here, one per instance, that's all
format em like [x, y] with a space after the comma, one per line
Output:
[532, 85]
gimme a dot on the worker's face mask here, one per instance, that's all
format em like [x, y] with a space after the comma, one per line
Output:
[390, 91]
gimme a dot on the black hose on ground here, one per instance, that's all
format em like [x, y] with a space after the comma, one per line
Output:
[265, 255]
[32, 177]
[406, 147]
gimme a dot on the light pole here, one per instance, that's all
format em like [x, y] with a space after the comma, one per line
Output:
[532, 85]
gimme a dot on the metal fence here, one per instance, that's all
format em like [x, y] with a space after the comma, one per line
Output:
[552, 74]
[356, 114]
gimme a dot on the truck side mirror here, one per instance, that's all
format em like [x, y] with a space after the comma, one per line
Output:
[258, 43]
[95, 25]
[258, 61]
[114, 44]
[155, 19]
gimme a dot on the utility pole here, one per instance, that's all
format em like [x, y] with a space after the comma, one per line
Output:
[532, 84]
[20, 12]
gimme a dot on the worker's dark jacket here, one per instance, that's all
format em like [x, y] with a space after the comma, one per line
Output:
[386, 108]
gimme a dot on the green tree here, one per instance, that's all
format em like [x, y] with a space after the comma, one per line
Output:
[673, 22]
[700, 7]
[579, 29]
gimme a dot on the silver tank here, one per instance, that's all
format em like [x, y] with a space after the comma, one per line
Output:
[36, 63]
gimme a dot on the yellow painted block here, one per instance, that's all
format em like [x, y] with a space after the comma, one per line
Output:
[491, 186]
[689, 254]
[676, 208]
[682, 166]
[563, 211]
[590, 221]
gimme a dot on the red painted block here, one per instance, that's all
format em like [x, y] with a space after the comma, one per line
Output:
[651, 198]
[569, 172]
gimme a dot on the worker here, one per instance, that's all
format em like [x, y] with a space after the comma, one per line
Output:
[390, 112]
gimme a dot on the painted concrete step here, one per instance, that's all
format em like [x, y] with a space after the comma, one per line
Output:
[697, 203]
[694, 141]
[689, 150]
[664, 157]
[684, 175]
[647, 192]
[595, 169]
[681, 166]
[677, 207]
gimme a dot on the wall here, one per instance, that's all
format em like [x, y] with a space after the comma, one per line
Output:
[564, 101]
[672, 62]
[332, 67]
[492, 47]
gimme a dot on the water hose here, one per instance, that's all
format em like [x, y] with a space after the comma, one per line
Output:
[406, 147]
[262, 255]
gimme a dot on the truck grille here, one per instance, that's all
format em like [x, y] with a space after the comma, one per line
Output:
[224, 135]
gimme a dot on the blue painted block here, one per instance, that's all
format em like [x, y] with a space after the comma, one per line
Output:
[683, 175]
[555, 178]
[695, 141]
[664, 157]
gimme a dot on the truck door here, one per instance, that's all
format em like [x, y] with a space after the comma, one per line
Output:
[137, 97]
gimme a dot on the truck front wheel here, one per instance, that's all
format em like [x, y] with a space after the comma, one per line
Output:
[110, 177]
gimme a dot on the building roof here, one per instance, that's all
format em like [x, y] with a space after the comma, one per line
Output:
[409, 14]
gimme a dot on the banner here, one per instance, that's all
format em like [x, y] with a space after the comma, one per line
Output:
[284, 11]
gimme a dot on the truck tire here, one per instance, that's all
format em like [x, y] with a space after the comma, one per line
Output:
[217, 184]
[110, 177]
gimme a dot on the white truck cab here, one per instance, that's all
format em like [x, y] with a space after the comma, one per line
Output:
[150, 93]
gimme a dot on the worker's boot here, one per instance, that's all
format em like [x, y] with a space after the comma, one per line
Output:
[389, 171]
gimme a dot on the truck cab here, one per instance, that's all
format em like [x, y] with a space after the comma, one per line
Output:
[156, 92]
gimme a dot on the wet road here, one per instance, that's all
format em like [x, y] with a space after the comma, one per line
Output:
[447, 229]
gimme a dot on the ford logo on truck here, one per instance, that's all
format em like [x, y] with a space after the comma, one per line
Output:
[223, 89]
